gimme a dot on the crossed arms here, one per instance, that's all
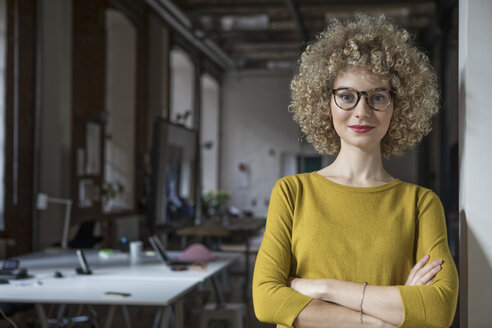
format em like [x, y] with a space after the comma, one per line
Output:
[337, 303]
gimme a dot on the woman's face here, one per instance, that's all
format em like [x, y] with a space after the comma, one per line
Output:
[361, 126]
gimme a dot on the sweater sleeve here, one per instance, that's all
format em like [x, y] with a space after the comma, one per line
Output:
[273, 301]
[431, 305]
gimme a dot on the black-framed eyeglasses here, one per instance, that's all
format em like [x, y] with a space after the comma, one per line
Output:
[377, 99]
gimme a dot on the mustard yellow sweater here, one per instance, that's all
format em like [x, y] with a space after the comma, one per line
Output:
[318, 229]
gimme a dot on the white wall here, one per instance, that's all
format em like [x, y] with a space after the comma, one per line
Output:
[475, 80]
[55, 125]
[257, 129]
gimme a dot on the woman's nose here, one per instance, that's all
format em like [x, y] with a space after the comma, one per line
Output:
[362, 109]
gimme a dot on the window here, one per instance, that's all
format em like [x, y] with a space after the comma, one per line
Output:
[121, 61]
[209, 133]
[182, 87]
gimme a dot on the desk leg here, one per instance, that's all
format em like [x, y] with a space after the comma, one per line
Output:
[94, 317]
[166, 317]
[62, 312]
[157, 318]
[126, 316]
[41, 315]
[218, 292]
[178, 310]
[109, 316]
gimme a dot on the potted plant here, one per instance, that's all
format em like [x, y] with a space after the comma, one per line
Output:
[214, 202]
[111, 190]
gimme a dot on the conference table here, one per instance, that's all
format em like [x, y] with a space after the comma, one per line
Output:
[115, 280]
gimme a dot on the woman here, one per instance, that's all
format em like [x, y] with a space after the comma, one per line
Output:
[350, 245]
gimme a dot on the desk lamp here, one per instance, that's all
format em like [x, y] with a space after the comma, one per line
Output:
[42, 204]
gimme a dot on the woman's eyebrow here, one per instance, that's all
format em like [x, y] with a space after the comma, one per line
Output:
[372, 88]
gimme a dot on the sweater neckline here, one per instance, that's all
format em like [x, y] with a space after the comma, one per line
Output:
[381, 187]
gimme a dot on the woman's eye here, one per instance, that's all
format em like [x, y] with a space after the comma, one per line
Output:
[379, 97]
[346, 97]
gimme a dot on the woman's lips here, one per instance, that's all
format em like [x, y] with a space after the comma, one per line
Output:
[361, 128]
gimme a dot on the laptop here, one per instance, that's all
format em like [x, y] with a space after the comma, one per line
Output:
[156, 244]
[10, 270]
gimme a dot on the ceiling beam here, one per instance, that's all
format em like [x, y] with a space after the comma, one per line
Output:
[254, 36]
[229, 8]
[339, 3]
[235, 10]
[261, 46]
[285, 55]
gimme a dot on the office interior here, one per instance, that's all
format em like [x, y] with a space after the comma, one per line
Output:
[143, 117]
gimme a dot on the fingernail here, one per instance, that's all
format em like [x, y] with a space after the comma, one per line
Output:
[440, 261]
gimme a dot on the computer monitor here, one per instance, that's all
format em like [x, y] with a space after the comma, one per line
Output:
[173, 177]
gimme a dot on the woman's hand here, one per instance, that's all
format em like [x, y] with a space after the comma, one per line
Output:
[310, 287]
[422, 274]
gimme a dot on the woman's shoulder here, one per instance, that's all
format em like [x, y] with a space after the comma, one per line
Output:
[299, 177]
[294, 183]
[420, 192]
[296, 180]
[414, 186]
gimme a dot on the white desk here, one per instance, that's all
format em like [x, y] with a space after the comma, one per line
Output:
[44, 264]
[148, 282]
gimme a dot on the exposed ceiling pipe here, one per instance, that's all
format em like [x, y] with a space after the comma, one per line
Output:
[208, 48]
[213, 46]
[298, 19]
[171, 7]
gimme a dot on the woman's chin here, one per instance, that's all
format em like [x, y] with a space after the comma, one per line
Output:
[362, 145]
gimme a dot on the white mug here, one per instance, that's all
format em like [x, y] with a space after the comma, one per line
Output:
[136, 249]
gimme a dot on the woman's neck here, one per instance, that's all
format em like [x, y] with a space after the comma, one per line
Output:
[357, 167]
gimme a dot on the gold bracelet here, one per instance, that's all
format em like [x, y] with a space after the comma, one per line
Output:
[362, 300]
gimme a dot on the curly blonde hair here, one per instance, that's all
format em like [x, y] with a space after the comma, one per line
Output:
[376, 45]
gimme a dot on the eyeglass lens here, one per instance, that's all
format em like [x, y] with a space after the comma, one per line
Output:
[348, 98]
